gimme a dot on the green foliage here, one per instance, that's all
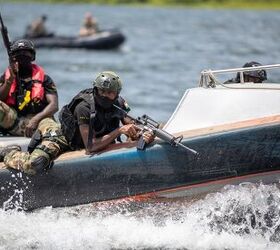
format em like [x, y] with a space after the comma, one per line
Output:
[265, 4]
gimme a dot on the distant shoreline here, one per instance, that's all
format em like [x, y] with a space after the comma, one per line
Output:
[209, 4]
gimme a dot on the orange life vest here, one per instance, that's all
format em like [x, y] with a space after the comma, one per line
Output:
[37, 89]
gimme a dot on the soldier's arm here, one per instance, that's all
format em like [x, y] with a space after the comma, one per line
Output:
[101, 143]
[50, 109]
[5, 85]
[52, 100]
[97, 143]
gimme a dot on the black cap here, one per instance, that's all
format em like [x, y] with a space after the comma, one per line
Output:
[260, 74]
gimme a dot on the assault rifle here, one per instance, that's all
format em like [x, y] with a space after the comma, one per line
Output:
[6, 39]
[148, 124]
[7, 43]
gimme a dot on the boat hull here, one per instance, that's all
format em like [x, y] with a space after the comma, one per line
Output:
[127, 172]
[101, 41]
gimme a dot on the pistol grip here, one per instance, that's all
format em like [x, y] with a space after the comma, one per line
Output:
[141, 144]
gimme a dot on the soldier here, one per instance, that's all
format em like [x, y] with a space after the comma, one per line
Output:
[255, 76]
[90, 26]
[37, 28]
[27, 94]
[89, 121]
[94, 117]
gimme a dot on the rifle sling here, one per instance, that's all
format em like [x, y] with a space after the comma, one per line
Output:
[92, 116]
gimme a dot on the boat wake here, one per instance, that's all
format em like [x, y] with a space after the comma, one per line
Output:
[239, 217]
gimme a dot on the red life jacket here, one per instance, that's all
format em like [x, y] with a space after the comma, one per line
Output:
[37, 89]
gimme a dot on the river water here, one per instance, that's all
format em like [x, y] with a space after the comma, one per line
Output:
[165, 51]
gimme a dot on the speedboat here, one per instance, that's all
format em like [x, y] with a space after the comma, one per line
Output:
[234, 128]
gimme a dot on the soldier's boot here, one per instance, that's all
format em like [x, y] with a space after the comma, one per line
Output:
[40, 164]
[6, 150]
[39, 160]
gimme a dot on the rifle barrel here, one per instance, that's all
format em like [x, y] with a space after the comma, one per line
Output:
[187, 148]
[165, 136]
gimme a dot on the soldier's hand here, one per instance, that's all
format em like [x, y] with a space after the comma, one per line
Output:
[31, 127]
[13, 71]
[13, 68]
[130, 130]
[148, 137]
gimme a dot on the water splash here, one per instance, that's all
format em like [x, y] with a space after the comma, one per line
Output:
[239, 217]
[16, 189]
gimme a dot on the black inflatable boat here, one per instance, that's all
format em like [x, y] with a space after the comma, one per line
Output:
[106, 39]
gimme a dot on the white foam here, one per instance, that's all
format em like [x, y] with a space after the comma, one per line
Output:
[220, 221]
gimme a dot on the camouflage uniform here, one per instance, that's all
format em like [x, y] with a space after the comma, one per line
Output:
[53, 143]
[9, 120]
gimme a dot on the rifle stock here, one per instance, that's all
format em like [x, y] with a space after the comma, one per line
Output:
[151, 125]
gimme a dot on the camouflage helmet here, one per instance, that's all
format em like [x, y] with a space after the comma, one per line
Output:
[108, 80]
[23, 45]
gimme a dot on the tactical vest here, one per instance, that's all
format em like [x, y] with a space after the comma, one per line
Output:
[37, 89]
[103, 123]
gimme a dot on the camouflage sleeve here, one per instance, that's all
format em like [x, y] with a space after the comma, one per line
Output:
[49, 85]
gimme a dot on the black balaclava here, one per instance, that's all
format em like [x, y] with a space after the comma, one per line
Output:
[103, 101]
[24, 59]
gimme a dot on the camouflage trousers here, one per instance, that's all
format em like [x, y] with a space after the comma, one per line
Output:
[53, 143]
[10, 122]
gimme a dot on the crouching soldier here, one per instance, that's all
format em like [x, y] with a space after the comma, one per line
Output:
[96, 121]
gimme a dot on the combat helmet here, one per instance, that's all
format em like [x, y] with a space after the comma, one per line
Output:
[108, 80]
[23, 45]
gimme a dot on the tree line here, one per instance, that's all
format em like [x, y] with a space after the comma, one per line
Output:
[271, 4]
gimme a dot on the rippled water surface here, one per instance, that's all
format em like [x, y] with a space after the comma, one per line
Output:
[165, 51]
